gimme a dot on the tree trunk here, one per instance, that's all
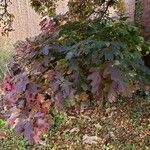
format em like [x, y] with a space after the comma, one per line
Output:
[146, 27]
[142, 20]
[146, 19]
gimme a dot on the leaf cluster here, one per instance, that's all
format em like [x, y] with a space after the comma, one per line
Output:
[77, 9]
[6, 18]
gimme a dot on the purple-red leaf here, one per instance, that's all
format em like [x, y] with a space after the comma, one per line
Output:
[28, 131]
[20, 81]
[45, 50]
[113, 92]
[118, 85]
[32, 88]
[95, 78]
[25, 127]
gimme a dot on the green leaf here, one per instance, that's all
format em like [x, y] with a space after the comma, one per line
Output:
[2, 122]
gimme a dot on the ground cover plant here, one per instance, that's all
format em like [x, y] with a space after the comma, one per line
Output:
[80, 60]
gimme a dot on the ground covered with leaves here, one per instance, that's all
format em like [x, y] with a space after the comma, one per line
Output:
[123, 125]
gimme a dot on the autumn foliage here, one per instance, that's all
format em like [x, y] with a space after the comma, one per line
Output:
[78, 61]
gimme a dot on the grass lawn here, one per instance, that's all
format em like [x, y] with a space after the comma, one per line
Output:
[6, 51]
[124, 125]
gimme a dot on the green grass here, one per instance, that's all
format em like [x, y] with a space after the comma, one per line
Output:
[9, 140]
[5, 54]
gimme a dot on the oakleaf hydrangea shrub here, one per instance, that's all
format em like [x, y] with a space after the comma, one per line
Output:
[98, 60]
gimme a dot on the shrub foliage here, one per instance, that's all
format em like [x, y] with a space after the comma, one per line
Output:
[78, 61]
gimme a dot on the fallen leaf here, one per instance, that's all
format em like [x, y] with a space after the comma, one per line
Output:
[98, 126]
[74, 130]
[90, 139]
